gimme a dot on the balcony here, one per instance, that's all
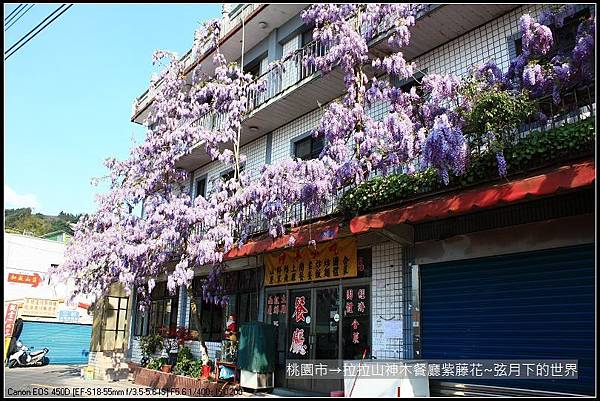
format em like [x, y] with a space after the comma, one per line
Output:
[300, 89]
[577, 104]
[229, 43]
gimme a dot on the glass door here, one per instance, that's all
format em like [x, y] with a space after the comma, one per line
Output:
[326, 334]
[299, 344]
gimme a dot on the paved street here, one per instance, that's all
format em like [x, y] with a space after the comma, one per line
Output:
[66, 381]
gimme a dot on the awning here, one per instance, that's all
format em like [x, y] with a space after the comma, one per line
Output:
[564, 178]
[320, 232]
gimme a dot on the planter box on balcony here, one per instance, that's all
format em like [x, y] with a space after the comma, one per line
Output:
[181, 384]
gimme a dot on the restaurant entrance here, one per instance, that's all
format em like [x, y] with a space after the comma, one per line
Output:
[317, 325]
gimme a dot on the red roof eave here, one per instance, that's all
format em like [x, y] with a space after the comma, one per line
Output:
[319, 232]
[564, 178]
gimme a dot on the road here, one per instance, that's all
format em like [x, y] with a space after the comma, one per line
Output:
[66, 381]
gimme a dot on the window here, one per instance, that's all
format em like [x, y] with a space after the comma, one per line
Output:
[163, 310]
[141, 322]
[211, 315]
[228, 175]
[406, 84]
[114, 323]
[564, 37]
[240, 287]
[200, 188]
[356, 322]
[307, 37]
[256, 67]
[308, 148]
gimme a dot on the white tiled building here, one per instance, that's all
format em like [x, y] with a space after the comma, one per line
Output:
[446, 39]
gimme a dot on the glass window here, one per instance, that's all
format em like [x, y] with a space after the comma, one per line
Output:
[114, 323]
[356, 322]
[162, 315]
[276, 314]
[308, 148]
[200, 187]
[240, 287]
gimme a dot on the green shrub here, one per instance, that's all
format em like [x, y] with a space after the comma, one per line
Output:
[156, 363]
[151, 344]
[185, 361]
[537, 149]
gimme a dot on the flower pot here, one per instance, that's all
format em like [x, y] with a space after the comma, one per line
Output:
[166, 368]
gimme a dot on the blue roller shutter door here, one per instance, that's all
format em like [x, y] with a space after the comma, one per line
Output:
[535, 305]
[68, 343]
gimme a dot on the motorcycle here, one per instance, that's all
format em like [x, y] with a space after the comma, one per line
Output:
[19, 354]
[25, 357]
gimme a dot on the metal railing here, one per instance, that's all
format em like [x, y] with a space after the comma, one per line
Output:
[292, 71]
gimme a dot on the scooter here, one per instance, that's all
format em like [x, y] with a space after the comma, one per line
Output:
[23, 357]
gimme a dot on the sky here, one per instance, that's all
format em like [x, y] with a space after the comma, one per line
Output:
[68, 95]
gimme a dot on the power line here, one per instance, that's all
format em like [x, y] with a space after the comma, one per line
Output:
[16, 15]
[35, 34]
[12, 23]
[36, 27]
[8, 17]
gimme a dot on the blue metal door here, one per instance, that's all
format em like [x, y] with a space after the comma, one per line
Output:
[534, 305]
[68, 343]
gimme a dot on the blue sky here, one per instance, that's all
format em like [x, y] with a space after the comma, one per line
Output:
[68, 95]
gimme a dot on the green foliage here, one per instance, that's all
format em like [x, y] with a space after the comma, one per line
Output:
[22, 220]
[496, 112]
[382, 190]
[151, 344]
[195, 369]
[537, 149]
[156, 363]
[185, 362]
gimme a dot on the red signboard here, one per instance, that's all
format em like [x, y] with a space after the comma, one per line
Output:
[33, 279]
[9, 319]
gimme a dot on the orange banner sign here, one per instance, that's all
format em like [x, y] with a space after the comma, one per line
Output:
[327, 261]
[34, 279]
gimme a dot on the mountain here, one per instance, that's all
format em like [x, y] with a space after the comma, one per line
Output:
[22, 220]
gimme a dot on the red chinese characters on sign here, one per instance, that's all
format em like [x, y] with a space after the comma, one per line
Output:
[298, 346]
[10, 318]
[34, 280]
[300, 309]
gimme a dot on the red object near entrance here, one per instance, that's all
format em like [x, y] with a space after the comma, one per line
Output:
[337, 393]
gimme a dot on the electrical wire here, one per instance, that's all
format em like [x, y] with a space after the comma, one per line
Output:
[8, 17]
[35, 34]
[36, 27]
[16, 15]
[12, 23]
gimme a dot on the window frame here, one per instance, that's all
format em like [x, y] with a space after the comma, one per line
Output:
[313, 149]
[122, 314]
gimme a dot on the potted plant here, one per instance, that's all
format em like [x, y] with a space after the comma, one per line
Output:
[150, 344]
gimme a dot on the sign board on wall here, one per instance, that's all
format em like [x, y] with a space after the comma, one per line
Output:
[325, 261]
[10, 318]
[39, 307]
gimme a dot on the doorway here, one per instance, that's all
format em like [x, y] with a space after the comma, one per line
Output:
[310, 320]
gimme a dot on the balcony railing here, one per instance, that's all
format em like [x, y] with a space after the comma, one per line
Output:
[577, 104]
[293, 70]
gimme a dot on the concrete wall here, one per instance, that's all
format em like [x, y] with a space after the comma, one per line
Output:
[521, 238]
